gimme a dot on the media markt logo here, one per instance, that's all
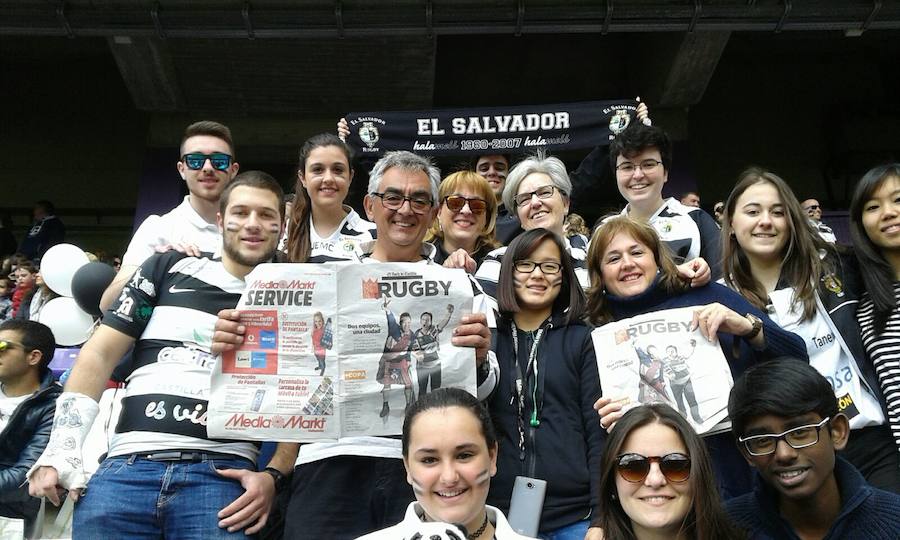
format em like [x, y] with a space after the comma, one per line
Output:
[368, 134]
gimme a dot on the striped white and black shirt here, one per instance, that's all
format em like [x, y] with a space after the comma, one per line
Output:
[689, 232]
[170, 307]
[488, 273]
[884, 351]
[343, 244]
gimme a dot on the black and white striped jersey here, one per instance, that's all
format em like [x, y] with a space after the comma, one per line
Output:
[169, 306]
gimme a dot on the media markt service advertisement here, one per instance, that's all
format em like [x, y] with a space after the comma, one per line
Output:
[337, 350]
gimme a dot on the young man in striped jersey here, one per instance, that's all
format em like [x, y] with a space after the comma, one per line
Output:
[163, 477]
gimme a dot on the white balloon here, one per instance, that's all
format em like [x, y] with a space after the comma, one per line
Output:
[58, 266]
[69, 323]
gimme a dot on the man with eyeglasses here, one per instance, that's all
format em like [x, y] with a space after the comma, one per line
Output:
[789, 427]
[28, 393]
[641, 157]
[814, 211]
[207, 165]
[356, 485]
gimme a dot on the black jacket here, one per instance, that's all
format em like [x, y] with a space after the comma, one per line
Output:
[26, 435]
[564, 449]
[840, 293]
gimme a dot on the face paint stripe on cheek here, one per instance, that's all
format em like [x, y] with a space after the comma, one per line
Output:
[483, 477]
[274, 228]
[417, 488]
[232, 226]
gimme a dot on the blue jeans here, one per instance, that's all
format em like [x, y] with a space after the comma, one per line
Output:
[575, 531]
[136, 498]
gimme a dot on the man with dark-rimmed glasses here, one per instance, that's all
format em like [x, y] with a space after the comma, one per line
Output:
[207, 165]
[786, 420]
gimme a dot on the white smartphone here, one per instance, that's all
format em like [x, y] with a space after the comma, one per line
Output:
[526, 505]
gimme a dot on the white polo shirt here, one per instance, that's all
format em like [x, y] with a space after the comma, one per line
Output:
[182, 225]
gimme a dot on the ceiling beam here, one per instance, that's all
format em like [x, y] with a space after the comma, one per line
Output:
[268, 20]
[149, 72]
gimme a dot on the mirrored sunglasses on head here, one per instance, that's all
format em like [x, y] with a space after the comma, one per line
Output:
[195, 160]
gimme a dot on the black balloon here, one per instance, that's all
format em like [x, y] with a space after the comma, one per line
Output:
[88, 285]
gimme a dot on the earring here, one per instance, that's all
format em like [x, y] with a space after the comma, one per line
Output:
[613, 496]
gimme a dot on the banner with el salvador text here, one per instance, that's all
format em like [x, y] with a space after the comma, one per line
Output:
[494, 130]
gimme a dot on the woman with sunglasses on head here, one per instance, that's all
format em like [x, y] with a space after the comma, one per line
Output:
[450, 454]
[548, 384]
[875, 229]
[463, 231]
[632, 273]
[774, 258]
[321, 227]
[657, 481]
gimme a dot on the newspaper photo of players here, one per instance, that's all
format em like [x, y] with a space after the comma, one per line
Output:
[335, 350]
[657, 358]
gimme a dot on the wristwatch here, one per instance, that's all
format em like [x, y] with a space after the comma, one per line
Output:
[757, 325]
[277, 475]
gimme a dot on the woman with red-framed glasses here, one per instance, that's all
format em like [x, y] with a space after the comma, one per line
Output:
[657, 481]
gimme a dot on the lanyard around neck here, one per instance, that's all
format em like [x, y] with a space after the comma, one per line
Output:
[520, 383]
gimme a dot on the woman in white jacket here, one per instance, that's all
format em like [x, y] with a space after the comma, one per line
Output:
[450, 455]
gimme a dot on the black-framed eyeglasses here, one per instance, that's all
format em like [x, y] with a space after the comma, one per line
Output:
[634, 468]
[812, 207]
[196, 160]
[797, 438]
[719, 208]
[394, 201]
[543, 192]
[547, 267]
[455, 203]
[647, 166]
[6, 344]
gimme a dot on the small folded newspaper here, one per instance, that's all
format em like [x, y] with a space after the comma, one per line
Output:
[337, 350]
[656, 358]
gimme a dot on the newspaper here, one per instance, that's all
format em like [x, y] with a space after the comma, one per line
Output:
[655, 358]
[337, 350]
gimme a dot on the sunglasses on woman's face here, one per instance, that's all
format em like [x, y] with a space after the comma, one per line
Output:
[455, 203]
[634, 468]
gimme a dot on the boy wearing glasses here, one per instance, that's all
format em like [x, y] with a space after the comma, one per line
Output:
[641, 157]
[28, 393]
[207, 165]
[786, 420]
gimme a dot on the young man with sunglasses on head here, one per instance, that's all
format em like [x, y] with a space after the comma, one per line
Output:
[28, 393]
[788, 427]
[206, 165]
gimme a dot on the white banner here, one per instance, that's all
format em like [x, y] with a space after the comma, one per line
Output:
[655, 358]
[327, 345]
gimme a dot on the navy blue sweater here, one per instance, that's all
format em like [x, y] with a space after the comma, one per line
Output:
[564, 448]
[732, 472]
[866, 513]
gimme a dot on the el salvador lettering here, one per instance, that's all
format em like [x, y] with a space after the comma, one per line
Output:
[467, 125]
